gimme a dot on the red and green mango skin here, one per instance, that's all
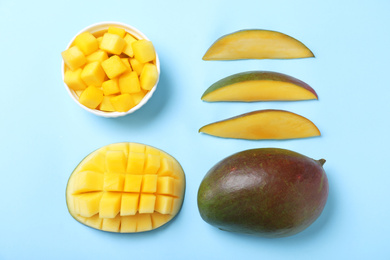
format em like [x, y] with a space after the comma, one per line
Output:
[269, 192]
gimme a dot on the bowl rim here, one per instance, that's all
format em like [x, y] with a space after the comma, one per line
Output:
[104, 26]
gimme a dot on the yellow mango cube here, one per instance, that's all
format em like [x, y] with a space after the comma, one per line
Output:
[112, 43]
[114, 66]
[73, 57]
[98, 55]
[127, 63]
[95, 163]
[164, 204]
[129, 204]
[86, 42]
[146, 203]
[165, 185]
[137, 97]
[144, 50]
[118, 31]
[166, 167]
[93, 74]
[95, 221]
[111, 224]
[144, 222]
[136, 65]
[124, 147]
[152, 164]
[132, 183]
[149, 76]
[149, 183]
[136, 162]
[110, 87]
[116, 161]
[129, 224]
[72, 79]
[137, 148]
[129, 83]
[159, 219]
[88, 181]
[110, 204]
[106, 105]
[88, 203]
[152, 150]
[91, 97]
[128, 49]
[113, 182]
[123, 102]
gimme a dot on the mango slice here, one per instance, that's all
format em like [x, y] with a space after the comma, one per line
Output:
[126, 187]
[259, 86]
[257, 44]
[263, 124]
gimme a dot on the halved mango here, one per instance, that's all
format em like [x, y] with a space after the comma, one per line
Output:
[257, 44]
[259, 86]
[110, 189]
[263, 124]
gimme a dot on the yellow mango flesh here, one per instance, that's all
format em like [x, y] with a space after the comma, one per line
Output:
[260, 90]
[126, 187]
[257, 44]
[263, 124]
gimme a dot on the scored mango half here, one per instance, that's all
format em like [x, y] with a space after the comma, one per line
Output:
[127, 188]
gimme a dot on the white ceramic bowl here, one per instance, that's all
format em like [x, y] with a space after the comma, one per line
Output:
[100, 27]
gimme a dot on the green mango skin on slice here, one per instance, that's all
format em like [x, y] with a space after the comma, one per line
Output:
[257, 44]
[268, 192]
[254, 86]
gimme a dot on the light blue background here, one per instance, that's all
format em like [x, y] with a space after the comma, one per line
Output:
[44, 134]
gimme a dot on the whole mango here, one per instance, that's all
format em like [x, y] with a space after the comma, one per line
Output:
[268, 192]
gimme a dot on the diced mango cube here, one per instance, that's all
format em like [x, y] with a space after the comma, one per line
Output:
[98, 55]
[112, 43]
[87, 181]
[118, 31]
[91, 97]
[123, 147]
[146, 203]
[164, 204]
[74, 58]
[88, 203]
[72, 79]
[95, 162]
[152, 150]
[114, 66]
[123, 102]
[159, 219]
[132, 183]
[129, 204]
[149, 183]
[113, 182]
[110, 204]
[129, 83]
[152, 164]
[166, 167]
[129, 224]
[136, 65]
[137, 148]
[149, 76]
[137, 97]
[135, 163]
[116, 161]
[178, 188]
[93, 74]
[86, 42]
[111, 224]
[144, 50]
[110, 87]
[144, 222]
[165, 185]
[128, 50]
[106, 104]
[95, 221]
[99, 40]
[127, 63]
